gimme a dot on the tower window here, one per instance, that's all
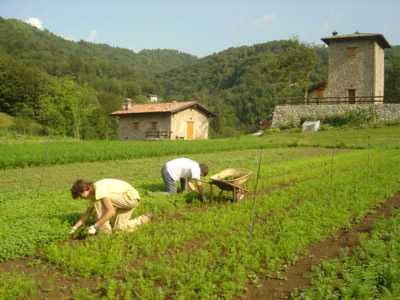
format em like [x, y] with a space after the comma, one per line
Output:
[352, 96]
[351, 52]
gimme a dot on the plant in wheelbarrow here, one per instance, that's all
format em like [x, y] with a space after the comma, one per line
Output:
[197, 189]
[230, 180]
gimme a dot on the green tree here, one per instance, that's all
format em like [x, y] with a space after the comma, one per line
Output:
[392, 82]
[66, 107]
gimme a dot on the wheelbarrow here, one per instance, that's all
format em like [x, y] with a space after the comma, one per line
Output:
[232, 180]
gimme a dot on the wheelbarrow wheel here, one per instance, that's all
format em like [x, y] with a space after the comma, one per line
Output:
[241, 195]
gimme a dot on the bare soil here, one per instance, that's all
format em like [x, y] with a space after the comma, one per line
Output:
[53, 284]
[345, 239]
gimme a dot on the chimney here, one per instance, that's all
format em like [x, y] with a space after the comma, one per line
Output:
[127, 104]
[152, 98]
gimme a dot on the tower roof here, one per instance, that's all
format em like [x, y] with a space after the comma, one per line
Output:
[379, 38]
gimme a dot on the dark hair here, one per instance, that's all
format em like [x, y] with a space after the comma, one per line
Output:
[203, 169]
[79, 187]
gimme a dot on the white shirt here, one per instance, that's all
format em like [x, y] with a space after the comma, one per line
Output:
[183, 168]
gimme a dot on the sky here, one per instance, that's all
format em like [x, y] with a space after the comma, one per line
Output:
[204, 27]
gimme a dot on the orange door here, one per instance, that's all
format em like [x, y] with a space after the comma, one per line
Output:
[189, 130]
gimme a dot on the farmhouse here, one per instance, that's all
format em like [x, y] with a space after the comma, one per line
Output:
[187, 120]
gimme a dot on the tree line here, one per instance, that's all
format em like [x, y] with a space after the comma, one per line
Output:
[70, 88]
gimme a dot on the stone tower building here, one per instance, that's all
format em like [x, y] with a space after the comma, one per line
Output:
[356, 67]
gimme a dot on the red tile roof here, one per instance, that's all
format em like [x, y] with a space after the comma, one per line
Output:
[162, 107]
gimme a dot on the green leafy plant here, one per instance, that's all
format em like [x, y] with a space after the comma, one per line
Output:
[355, 118]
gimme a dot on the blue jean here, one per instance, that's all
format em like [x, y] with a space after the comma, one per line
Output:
[170, 185]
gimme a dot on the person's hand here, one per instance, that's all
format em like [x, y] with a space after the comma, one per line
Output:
[203, 197]
[92, 230]
[72, 230]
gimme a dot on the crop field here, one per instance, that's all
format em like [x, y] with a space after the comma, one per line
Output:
[371, 272]
[13, 154]
[308, 188]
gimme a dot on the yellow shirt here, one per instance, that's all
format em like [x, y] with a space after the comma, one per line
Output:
[109, 188]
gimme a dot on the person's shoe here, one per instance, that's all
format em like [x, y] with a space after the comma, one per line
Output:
[146, 218]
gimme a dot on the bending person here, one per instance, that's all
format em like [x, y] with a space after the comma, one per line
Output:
[109, 198]
[183, 169]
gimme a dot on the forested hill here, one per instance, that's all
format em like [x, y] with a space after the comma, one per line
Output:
[85, 61]
[243, 84]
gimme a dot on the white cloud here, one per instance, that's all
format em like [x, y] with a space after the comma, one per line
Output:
[264, 21]
[92, 36]
[35, 22]
[66, 37]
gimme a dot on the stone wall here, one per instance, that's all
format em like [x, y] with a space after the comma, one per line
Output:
[291, 115]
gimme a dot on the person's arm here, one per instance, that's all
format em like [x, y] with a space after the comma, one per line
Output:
[196, 178]
[108, 213]
[84, 216]
[199, 188]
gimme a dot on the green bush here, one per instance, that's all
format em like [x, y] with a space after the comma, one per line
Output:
[325, 127]
[26, 126]
[354, 118]
[391, 123]
[273, 130]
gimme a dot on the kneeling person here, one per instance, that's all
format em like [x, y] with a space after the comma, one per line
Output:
[183, 169]
[108, 197]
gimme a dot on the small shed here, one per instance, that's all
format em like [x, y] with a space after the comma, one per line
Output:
[187, 120]
[317, 90]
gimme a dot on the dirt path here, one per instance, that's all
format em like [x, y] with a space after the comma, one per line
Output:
[327, 249]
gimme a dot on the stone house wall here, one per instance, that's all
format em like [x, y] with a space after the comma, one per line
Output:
[128, 130]
[135, 126]
[179, 124]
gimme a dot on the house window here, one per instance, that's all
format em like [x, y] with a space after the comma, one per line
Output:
[351, 52]
[154, 125]
[135, 125]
